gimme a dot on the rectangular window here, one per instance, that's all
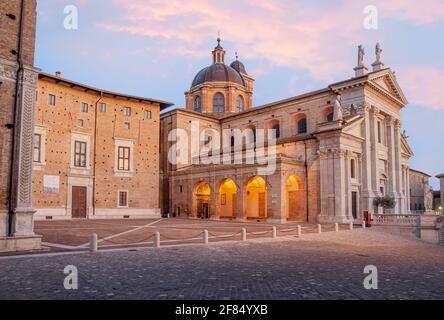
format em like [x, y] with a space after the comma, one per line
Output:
[51, 100]
[84, 107]
[124, 158]
[127, 111]
[123, 198]
[126, 125]
[37, 147]
[379, 132]
[81, 123]
[148, 115]
[102, 107]
[80, 154]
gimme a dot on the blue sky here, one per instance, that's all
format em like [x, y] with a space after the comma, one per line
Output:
[154, 48]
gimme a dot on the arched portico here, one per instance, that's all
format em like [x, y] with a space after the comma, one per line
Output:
[227, 200]
[255, 198]
[201, 200]
[295, 199]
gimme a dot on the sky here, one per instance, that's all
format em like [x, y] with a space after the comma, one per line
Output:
[154, 48]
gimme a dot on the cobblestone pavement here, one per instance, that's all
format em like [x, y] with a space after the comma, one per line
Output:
[326, 266]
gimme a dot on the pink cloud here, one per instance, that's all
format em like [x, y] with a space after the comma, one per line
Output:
[319, 39]
[423, 85]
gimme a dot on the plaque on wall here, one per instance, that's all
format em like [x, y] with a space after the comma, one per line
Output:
[51, 184]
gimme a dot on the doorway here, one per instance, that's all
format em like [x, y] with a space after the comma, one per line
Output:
[79, 202]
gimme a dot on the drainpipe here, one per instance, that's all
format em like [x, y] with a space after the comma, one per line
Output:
[95, 154]
[19, 75]
[306, 183]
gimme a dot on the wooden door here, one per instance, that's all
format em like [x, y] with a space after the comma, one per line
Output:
[355, 204]
[234, 205]
[79, 202]
[206, 213]
[262, 205]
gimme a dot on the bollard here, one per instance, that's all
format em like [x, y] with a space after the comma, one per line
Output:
[243, 234]
[337, 227]
[274, 232]
[205, 237]
[319, 228]
[363, 225]
[156, 239]
[299, 231]
[93, 243]
[350, 227]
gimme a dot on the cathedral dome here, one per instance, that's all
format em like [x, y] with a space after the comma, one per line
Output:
[238, 66]
[218, 72]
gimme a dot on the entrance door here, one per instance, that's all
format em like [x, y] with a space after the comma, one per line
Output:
[262, 205]
[355, 204]
[79, 202]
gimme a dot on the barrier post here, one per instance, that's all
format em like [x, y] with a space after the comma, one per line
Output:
[299, 231]
[363, 225]
[337, 227]
[93, 243]
[350, 227]
[274, 232]
[319, 228]
[205, 237]
[243, 234]
[156, 239]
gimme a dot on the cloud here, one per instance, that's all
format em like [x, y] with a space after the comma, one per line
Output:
[424, 86]
[419, 12]
[318, 39]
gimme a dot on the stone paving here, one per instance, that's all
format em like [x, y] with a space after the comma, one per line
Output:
[325, 266]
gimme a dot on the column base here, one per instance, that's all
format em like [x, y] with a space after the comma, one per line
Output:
[277, 220]
[335, 219]
[24, 222]
[13, 244]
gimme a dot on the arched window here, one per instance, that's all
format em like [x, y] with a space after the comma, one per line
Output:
[302, 125]
[276, 131]
[198, 104]
[218, 102]
[330, 117]
[239, 104]
[353, 168]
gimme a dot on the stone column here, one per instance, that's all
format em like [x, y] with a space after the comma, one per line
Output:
[340, 186]
[23, 162]
[398, 167]
[392, 181]
[368, 160]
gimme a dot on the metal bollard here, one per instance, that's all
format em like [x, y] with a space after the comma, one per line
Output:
[93, 243]
[337, 227]
[363, 225]
[299, 231]
[274, 233]
[319, 228]
[243, 234]
[156, 239]
[350, 227]
[205, 237]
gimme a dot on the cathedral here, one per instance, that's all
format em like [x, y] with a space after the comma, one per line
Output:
[336, 149]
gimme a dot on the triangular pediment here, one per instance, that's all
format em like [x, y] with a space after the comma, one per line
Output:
[405, 148]
[385, 81]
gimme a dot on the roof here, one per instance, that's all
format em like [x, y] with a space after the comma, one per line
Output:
[218, 72]
[46, 76]
[420, 172]
[440, 175]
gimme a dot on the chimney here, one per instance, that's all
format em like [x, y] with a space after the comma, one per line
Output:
[58, 74]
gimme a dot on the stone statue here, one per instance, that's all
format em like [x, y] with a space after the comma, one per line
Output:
[361, 54]
[337, 112]
[378, 52]
[428, 197]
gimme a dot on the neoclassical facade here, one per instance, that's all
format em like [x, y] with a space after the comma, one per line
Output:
[337, 149]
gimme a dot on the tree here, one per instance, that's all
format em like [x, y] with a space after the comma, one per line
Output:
[385, 202]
